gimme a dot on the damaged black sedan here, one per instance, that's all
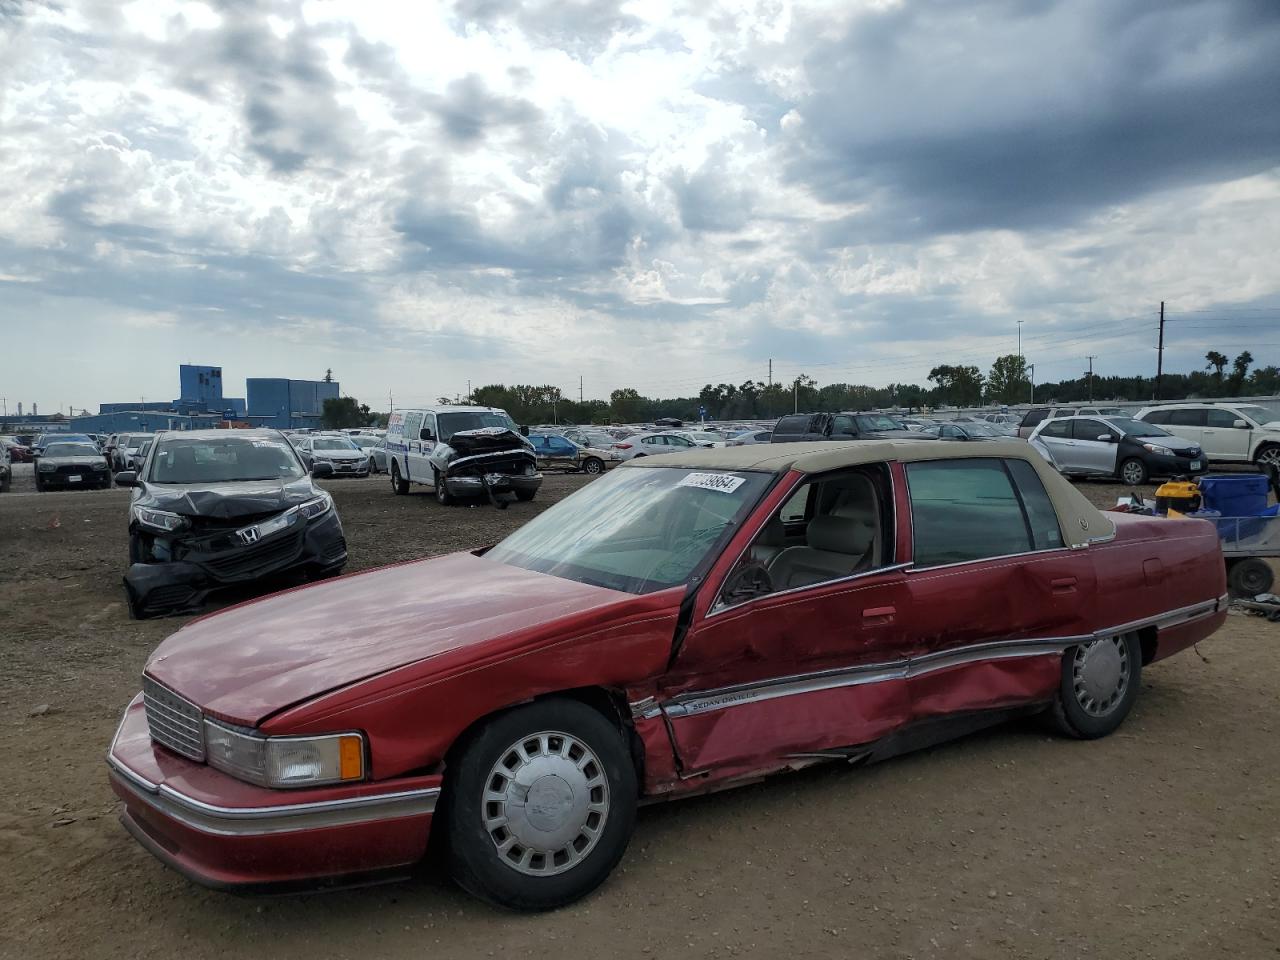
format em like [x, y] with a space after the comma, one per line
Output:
[215, 509]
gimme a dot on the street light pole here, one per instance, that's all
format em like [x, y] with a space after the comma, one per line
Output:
[1020, 323]
[1033, 381]
[1091, 359]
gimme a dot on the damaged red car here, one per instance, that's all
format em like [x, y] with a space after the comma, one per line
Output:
[683, 624]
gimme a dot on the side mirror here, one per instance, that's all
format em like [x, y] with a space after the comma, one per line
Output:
[322, 469]
[1241, 424]
[426, 434]
[127, 478]
[1106, 438]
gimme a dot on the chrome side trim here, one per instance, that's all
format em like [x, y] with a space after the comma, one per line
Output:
[717, 610]
[691, 704]
[645, 709]
[260, 821]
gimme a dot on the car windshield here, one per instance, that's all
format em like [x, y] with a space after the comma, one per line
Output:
[223, 460]
[333, 443]
[451, 423]
[1137, 428]
[878, 422]
[1260, 413]
[54, 450]
[635, 530]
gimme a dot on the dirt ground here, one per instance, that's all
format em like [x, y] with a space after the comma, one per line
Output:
[1162, 840]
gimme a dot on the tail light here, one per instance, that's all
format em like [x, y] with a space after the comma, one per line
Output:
[622, 446]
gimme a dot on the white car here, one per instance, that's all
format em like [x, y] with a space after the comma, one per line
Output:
[348, 459]
[652, 444]
[702, 438]
[1227, 432]
[372, 445]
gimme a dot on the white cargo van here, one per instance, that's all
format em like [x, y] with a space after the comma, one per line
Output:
[460, 452]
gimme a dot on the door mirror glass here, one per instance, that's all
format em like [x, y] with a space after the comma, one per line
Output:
[1240, 425]
[426, 434]
[127, 478]
[1106, 438]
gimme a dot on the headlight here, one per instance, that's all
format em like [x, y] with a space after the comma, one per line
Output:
[159, 519]
[314, 508]
[46, 467]
[1157, 449]
[284, 761]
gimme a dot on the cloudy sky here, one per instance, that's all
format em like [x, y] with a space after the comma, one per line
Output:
[652, 193]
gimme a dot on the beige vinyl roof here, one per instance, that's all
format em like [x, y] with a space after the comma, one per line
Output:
[1080, 520]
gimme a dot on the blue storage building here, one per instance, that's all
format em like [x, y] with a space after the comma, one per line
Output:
[201, 385]
[282, 403]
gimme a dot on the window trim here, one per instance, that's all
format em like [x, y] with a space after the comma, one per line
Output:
[1026, 521]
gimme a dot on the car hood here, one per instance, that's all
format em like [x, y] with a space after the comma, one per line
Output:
[226, 501]
[253, 660]
[468, 443]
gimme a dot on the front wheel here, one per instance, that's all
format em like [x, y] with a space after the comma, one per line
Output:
[1269, 456]
[541, 805]
[398, 486]
[1099, 684]
[1133, 472]
[443, 496]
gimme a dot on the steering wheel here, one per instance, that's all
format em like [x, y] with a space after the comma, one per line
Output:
[749, 579]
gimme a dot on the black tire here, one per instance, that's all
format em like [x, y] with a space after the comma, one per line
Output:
[4, 484]
[593, 466]
[1268, 453]
[474, 858]
[136, 553]
[39, 485]
[398, 486]
[443, 496]
[1133, 472]
[1249, 577]
[524, 496]
[1070, 712]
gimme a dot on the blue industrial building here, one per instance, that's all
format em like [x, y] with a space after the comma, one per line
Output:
[143, 421]
[277, 402]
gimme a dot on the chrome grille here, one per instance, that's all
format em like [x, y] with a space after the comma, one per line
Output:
[172, 721]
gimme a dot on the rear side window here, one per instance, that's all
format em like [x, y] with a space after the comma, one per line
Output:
[1156, 416]
[965, 510]
[788, 426]
[1046, 534]
[1033, 417]
[1186, 418]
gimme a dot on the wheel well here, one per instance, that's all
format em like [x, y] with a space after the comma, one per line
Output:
[1147, 640]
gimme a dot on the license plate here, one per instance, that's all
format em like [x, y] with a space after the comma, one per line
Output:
[1195, 464]
[75, 479]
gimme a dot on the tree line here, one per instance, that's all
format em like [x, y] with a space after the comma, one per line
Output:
[1008, 381]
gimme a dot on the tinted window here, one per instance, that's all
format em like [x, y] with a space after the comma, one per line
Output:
[790, 425]
[55, 450]
[1090, 429]
[1033, 417]
[1060, 429]
[1065, 412]
[1157, 416]
[842, 426]
[1221, 418]
[964, 510]
[1041, 517]
[1186, 418]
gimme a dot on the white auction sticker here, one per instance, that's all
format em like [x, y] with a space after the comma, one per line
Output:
[713, 481]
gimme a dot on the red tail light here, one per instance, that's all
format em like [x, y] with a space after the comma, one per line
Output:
[622, 446]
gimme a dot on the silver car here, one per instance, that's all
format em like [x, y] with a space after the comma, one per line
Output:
[375, 447]
[1120, 447]
[348, 460]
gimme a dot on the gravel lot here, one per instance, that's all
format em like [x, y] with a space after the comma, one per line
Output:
[1160, 841]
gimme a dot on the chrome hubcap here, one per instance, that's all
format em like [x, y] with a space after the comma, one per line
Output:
[1271, 455]
[1132, 473]
[1100, 675]
[545, 803]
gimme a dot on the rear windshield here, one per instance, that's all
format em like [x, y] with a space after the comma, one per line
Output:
[223, 460]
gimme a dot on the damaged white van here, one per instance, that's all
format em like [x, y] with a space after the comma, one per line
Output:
[461, 452]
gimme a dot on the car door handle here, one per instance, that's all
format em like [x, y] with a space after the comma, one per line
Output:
[878, 615]
[1063, 585]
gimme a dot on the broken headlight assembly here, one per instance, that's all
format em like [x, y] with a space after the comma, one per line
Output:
[315, 507]
[160, 520]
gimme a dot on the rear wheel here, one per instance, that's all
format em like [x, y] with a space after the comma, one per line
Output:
[593, 466]
[1249, 577]
[398, 485]
[1099, 684]
[541, 805]
[1133, 471]
[443, 496]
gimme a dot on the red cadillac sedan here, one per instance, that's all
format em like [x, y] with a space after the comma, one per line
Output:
[682, 624]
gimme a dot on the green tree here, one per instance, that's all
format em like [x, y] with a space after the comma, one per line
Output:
[1008, 381]
[627, 405]
[960, 386]
[338, 413]
[1239, 371]
[1216, 362]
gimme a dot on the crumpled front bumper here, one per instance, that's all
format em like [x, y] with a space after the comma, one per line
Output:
[223, 833]
[498, 483]
[178, 586]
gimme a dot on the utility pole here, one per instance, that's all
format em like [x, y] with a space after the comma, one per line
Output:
[1091, 359]
[1160, 353]
[796, 393]
[468, 391]
[770, 383]
[579, 388]
[1033, 381]
[391, 402]
[1020, 323]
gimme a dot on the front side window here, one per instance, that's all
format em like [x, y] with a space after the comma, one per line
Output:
[1221, 419]
[635, 530]
[965, 510]
[1091, 429]
[1057, 429]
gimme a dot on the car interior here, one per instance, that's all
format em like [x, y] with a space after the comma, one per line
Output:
[832, 527]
